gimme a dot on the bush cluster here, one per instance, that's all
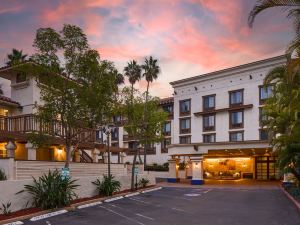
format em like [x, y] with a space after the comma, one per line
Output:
[157, 167]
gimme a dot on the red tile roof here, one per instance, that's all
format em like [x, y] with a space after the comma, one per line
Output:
[165, 101]
[8, 100]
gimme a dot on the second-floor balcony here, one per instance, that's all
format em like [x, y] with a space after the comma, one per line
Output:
[20, 126]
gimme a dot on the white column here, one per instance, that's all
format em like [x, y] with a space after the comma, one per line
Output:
[173, 171]
[31, 151]
[95, 154]
[197, 170]
[10, 149]
[123, 157]
[105, 157]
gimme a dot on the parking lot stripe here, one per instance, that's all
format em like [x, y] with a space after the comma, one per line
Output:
[138, 200]
[121, 215]
[44, 216]
[89, 205]
[113, 199]
[146, 217]
[14, 223]
[207, 191]
[180, 210]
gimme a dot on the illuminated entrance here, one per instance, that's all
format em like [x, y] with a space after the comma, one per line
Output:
[228, 168]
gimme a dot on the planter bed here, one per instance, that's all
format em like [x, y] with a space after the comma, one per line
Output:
[26, 213]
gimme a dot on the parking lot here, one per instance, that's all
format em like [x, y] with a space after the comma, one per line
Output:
[170, 206]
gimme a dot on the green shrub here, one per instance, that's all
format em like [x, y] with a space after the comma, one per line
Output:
[2, 175]
[143, 182]
[108, 185]
[51, 190]
[156, 167]
[294, 191]
[6, 208]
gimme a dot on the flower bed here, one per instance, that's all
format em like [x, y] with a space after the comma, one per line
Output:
[29, 211]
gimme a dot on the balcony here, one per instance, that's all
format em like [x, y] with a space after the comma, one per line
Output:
[19, 126]
[128, 138]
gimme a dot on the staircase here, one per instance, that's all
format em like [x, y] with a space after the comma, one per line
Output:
[85, 158]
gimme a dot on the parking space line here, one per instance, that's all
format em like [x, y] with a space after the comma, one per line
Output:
[146, 217]
[207, 191]
[133, 194]
[121, 215]
[141, 201]
[154, 189]
[180, 210]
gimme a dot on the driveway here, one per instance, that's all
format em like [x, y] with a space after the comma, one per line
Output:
[201, 206]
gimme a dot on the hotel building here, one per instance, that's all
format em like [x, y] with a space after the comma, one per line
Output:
[217, 127]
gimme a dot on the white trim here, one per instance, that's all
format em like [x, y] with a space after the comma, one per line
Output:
[44, 216]
[113, 199]
[154, 189]
[89, 205]
[130, 195]
[14, 223]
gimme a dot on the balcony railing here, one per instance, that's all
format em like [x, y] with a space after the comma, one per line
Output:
[128, 138]
[33, 124]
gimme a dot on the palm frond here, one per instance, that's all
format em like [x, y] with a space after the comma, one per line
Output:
[267, 4]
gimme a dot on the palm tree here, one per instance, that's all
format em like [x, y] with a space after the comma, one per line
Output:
[133, 72]
[283, 121]
[15, 57]
[293, 8]
[119, 79]
[151, 71]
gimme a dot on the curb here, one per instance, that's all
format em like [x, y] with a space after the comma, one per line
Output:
[291, 198]
[79, 205]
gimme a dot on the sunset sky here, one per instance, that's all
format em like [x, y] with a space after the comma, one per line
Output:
[189, 37]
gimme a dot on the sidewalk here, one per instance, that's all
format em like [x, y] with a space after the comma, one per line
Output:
[238, 184]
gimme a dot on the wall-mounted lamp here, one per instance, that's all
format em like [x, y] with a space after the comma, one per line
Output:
[196, 165]
[175, 93]
[250, 76]
[196, 88]
[59, 151]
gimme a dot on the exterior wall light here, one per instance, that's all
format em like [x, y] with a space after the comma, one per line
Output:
[59, 151]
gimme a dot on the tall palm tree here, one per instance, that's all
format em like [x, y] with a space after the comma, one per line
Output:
[16, 57]
[119, 79]
[133, 72]
[151, 71]
[293, 8]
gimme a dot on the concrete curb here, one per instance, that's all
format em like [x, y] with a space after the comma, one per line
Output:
[291, 198]
[13, 221]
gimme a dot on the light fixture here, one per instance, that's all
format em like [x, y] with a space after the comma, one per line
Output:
[59, 151]
[196, 88]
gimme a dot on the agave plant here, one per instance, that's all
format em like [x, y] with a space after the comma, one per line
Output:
[108, 185]
[6, 208]
[143, 182]
[51, 190]
[2, 175]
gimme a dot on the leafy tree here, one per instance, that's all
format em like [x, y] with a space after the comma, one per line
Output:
[293, 9]
[76, 88]
[151, 71]
[16, 57]
[283, 119]
[132, 107]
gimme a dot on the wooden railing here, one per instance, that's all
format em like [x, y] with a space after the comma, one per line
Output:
[30, 123]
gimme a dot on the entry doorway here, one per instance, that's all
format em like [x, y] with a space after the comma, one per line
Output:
[265, 168]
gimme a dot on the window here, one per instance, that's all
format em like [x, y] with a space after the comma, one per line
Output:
[185, 107]
[185, 125]
[262, 116]
[236, 136]
[168, 109]
[209, 122]
[99, 135]
[209, 102]
[236, 97]
[208, 138]
[236, 119]
[263, 135]
[115, 134]
[117, 119]
[185, 139]
[21, 77]
[164, 144]
[265, 92]
[131, 145]
[167, 128]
